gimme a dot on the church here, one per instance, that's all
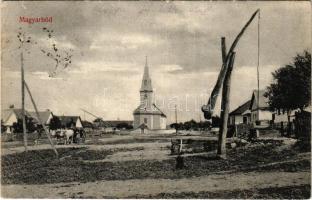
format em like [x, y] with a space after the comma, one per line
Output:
[147, 114]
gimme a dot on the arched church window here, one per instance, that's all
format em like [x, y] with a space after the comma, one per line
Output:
[145, 82]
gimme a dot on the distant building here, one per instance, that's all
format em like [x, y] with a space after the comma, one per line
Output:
[119, 123]
[240, 115]
[70, 121]
[147, 112]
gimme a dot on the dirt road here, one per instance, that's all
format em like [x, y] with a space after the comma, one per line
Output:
[127, 188]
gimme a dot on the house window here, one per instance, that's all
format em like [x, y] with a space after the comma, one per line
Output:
[145, 120]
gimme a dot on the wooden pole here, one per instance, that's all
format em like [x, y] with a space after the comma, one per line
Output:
[225, 107]
[208, 109]
[23, 102]
[258, 62]
[40, 121]
[176, 119]
[223, 50]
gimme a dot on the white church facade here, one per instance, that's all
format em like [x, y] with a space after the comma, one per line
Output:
[147, 114]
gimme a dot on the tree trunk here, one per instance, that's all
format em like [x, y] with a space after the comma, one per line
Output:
[40, 121]
[225, 107]
[23, 102]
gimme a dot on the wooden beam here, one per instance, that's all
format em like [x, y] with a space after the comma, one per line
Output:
[225, 107]
[40, 121]
[208, 109]
[223, 50]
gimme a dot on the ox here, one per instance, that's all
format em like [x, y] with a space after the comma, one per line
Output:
[67, 135]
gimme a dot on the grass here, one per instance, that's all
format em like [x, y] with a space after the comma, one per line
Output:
[39, 167]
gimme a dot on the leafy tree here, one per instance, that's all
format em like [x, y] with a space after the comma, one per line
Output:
[291, 88]
[30, 125]
[123, 125]
[3, 128]
[55, 123]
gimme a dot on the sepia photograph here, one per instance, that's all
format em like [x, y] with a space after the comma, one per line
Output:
[156, 99]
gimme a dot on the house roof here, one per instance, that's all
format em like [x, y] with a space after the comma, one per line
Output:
[87, 124]
[44, 115]
[6, 113]
[241, 109]
[263, 101]
[114, 123]
[66, 120]
[98, 122]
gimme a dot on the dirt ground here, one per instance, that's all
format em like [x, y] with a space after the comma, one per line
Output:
[111, 167]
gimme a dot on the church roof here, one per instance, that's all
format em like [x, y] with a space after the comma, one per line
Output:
[154, 111]
[146, 81]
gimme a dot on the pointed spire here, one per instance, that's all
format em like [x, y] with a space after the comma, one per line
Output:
[146, 73]
[146, 81]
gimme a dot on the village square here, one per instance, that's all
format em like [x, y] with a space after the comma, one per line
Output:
[156, 100]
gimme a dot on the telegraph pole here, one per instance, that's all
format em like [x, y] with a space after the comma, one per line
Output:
[258, 63]
[23, 101]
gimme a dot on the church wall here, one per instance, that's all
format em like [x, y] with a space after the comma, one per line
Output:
[156, 121]
[139, 119]
[163, 122]
[153, 121]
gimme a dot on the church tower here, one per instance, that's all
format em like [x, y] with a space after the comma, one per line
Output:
[146, 91]
[147, 114]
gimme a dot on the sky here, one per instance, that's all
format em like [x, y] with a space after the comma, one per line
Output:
[111, 39]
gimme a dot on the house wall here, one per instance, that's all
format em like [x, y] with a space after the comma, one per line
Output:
[264, 116]
[283, 117]
[49, 119]
[12, 119]
[237, 119]
[78, 123]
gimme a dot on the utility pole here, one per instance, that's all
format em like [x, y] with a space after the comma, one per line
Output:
[23, 101]
[176, 119]
[258, 62]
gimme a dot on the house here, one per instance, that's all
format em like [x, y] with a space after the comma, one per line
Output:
[70, 121]
[240, 115]
[100, 124]
[119, 124]
[45, 116]
[87, 124]
[260, 105]
[11, 116]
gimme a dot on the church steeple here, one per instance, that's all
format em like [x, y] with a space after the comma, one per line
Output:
[146, 81]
